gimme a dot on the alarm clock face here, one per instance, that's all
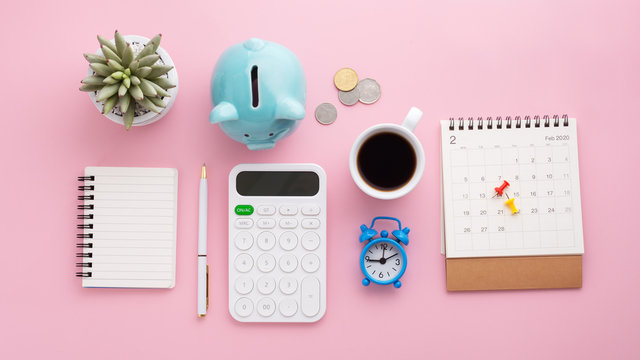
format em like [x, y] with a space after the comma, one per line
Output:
[383, 261]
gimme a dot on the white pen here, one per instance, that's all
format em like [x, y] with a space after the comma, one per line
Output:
[203, 268]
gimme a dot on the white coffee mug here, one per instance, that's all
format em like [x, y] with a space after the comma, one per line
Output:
[405, 131]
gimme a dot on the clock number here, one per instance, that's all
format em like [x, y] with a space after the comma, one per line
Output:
[381, 275]
[397, 261]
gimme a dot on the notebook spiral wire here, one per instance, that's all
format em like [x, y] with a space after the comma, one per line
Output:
[85, 264]
[517, 122]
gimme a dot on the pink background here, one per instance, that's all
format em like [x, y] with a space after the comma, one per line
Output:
[462, 58]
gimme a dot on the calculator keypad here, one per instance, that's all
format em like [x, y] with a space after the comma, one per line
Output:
[276, 253]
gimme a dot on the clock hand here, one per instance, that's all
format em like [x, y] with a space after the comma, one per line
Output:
[391, 256]
[383, 249]
[369, 259]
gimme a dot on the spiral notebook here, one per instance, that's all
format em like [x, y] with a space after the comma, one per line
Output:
[128, 227]
[530, 234]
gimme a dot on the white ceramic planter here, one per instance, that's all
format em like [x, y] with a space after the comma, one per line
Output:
[143, 116]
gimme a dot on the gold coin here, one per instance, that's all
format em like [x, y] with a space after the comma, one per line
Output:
[345, 79]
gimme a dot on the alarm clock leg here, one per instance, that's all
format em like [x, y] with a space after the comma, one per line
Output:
[366, 282]
[397, 284]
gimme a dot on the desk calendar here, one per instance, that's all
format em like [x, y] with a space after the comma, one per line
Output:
[538, 157]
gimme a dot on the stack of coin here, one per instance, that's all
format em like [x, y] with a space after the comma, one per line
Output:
[367, 91]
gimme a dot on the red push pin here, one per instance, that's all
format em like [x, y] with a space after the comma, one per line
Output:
[500, 190]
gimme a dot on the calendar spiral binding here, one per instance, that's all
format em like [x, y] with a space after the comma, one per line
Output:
[516, 122]
[84, 226]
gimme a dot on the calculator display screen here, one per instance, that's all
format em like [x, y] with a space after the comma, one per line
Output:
[277, 183]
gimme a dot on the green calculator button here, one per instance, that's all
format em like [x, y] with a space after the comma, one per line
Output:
[244, 210]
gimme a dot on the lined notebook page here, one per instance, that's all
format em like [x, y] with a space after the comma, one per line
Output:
[134, 227]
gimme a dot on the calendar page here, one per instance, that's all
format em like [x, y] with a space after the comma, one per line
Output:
[537, 213]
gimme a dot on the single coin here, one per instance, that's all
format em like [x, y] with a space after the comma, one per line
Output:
[345, 79]
[369, 91]
[326, 113]
[349, 97]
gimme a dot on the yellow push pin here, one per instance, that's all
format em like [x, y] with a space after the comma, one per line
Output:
[510, 203]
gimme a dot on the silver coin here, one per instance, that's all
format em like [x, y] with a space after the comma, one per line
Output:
[369, 91]
[326, 113]
[349, 97]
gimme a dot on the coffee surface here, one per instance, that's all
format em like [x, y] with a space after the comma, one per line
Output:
[386, 161]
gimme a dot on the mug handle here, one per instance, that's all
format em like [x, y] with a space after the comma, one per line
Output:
[413, 117]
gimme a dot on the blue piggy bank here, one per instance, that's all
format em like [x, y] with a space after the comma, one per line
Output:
[259, 93]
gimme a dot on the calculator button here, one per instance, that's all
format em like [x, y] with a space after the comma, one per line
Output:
[266, 223]
[288, 285]
[288, 240]
[244, 307]
[244, 285]
[288, 223]
[244, 240]
[244, 210]
[266, 240]
[266, 210]
[310, 241]
[310, 263]
[244, 223]
[288, 307]
[288, 210]
[310, 296]
[266, 262]
[266, 307]
[243, 262]
[310, 223]
[310, 210]
[266, 285]
[288, 263]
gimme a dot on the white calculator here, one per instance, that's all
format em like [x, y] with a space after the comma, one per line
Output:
[277, 242]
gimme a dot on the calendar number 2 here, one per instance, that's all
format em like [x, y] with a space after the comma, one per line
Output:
[452, 140]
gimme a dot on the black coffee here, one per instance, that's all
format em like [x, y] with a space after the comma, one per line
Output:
[386, 161]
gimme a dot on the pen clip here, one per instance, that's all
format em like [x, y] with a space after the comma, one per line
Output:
[207, 286]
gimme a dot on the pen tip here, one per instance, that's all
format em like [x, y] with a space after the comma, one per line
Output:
[204, 171]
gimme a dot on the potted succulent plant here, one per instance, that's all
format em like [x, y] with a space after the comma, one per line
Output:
[131, 79]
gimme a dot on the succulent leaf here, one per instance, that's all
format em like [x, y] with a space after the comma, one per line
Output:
[147, 104]
[122, 90]
[115, 65]
[117, 75]
[149, 60]
[133, 67]
[109, 54]
[101, 69]
[161, 92]
[147, 88]
[147, 50]
[93, 58]
[107, 43]
[126, 82]
[121, 43]
[124, 102]
[156, 42]
[135, 80]
[158, 102]
[128, 116]
[109, 104]
[89, 88]
[159, 70]
[110, 80]
[127, 56]
[107, 91]
[93, 80]
[163, 82]
[136, 92]
[143, 72]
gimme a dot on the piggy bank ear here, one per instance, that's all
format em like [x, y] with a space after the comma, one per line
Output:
[223, 112]
[289, 109]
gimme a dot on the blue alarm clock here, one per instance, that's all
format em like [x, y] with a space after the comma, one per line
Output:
[383, 260]
[259, 92]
